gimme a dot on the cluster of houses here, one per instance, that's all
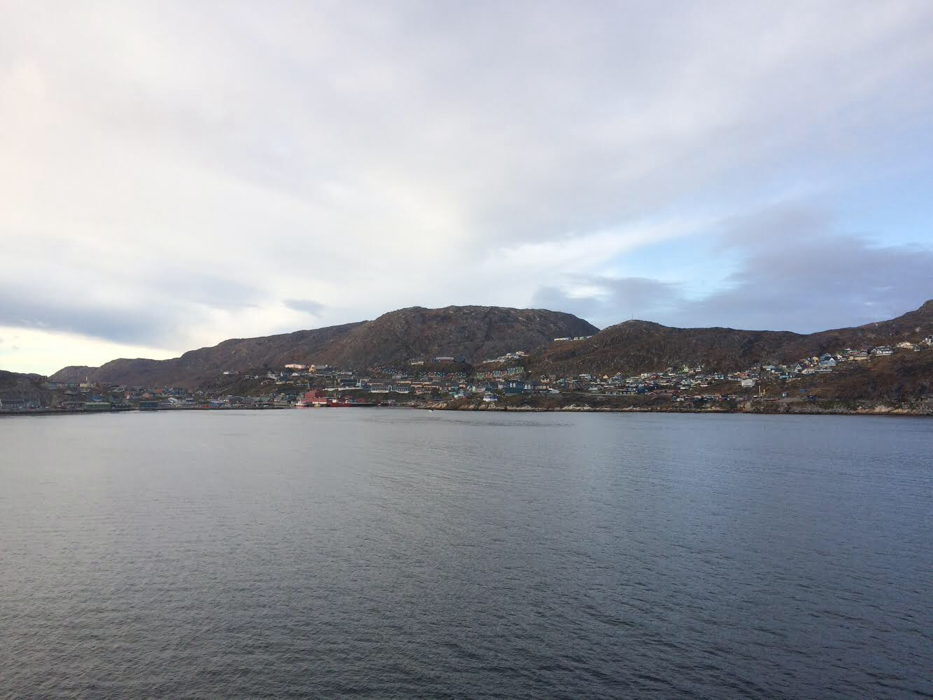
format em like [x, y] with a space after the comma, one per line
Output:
[518, 355]
[436, 378]
[101, 397]
[506, 376]
[688, 380]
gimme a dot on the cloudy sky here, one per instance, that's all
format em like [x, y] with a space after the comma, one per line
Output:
[176, 173]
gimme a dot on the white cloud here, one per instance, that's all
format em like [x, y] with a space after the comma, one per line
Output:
[795, 271]
[41, 351]
[175, 173]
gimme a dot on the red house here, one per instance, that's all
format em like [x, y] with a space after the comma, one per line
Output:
[314, 398]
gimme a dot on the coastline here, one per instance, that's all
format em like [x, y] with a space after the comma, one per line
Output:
[781, 410]
[79, 412]
[925, 411]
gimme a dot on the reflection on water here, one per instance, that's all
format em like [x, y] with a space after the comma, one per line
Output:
[397, 553]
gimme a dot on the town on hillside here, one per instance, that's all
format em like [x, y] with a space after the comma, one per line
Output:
[451, 382]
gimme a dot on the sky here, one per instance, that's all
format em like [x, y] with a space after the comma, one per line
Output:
[173, 174]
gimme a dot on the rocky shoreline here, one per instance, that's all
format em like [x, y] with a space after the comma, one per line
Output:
[924, 409]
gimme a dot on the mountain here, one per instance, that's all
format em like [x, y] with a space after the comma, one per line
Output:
[477, 333]
[640, 346]
[904, 376]
[196, 366]
[473, 332]
[25, 387]
[912, 326]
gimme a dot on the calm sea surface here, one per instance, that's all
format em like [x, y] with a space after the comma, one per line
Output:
[397, 553]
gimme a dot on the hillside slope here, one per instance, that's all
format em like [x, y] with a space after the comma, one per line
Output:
[195, 366]
[639, 346]
[473, 332]
[912, 327]
[21, 387]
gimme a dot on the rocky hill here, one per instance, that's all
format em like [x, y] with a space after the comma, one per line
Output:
[906, 376]
[196, 366]
[476, 333]
[21, 387]
[472, 332]
[639, 346]
[912, 326]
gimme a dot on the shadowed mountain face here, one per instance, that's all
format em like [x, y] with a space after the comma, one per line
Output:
[640, 346]
[912, 326]
[196, 366]
[25, 387]
[473, 332]
[477, 333]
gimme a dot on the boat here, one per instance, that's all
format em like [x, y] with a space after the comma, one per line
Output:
[349, 403]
